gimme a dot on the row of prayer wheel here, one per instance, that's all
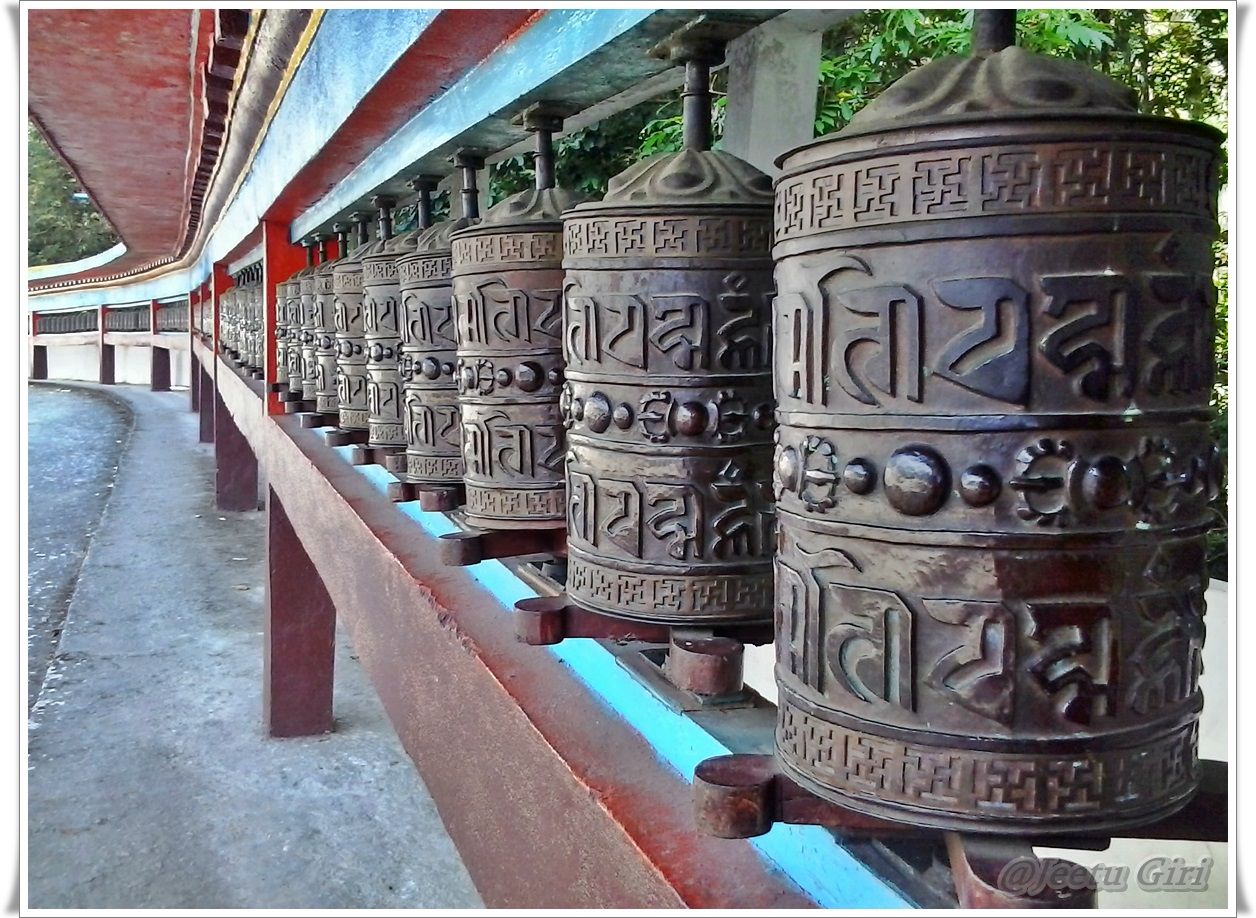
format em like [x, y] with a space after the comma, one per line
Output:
[936, 404]
[241, 317]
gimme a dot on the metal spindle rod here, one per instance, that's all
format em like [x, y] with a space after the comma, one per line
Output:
[696, 105]
[993, 30]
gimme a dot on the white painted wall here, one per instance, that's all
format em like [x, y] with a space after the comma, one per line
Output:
[180, 369]
[77, 361]
[132, 365]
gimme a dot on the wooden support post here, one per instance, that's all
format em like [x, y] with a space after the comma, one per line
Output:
[206, 397]
[159, 370]
[235, 485]
[300, 634]
[106, 372]
[194, 381]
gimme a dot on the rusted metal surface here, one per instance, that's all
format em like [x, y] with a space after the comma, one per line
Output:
[668, 397]
[433, 427]
[350, 339]
[978, 864]
[993, 364]
[464, 548]
[507, 290]
[703, 664]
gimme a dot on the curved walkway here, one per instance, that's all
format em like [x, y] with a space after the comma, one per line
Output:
[151, 782]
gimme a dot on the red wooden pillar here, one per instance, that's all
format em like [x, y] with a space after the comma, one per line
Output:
[106, 374]
[206, 400]
[280, 260]
[235, 481]
[300, 634]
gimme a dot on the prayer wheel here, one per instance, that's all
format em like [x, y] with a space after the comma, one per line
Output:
[669, 395]
[290, 299]
[309, 318]
[324, 326]
[381, 328]
[429, 352]
[993, 337]
[507, 288]
[350, 339]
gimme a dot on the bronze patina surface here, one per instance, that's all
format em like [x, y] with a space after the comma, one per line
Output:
[350, 338]
[669, 396]
[507, 288]
[429, 357]
[993, 335]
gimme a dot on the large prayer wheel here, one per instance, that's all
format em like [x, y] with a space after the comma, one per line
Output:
[993, 339]
[669, 395]
[429, 355]
[324, 329]
[508, 288]
[290, 299]
[381, 326]
[309, 318]
[350, 338]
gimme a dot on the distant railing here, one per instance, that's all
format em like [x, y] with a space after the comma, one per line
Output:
[172, 317]
[127, 318]
[64, 323]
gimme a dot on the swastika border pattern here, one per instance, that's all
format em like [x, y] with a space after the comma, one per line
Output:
[725, 236]
[987, 785]
[1072, 178]
[657, 595]
[532, 503]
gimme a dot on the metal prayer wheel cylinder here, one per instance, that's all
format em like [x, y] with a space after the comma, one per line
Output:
[508, 287]
[289, 295]
[381, 326]
[428, 360]
[281, 331]
[324, 331]
[309, 364]
[993, 339]
[350, 339]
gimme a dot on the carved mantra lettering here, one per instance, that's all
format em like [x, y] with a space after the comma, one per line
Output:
[497, 446]
[1072, 179]
[428, 325]
[495, 315]
[1109, 336]
[674, 332]
[662, 520]
[987, 784]
[1068, 650]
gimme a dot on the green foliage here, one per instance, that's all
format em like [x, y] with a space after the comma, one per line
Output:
[60, 228]
[585, 159]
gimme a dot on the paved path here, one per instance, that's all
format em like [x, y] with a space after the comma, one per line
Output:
[151, 782]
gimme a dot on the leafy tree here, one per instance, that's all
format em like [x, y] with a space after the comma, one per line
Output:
[62, 225]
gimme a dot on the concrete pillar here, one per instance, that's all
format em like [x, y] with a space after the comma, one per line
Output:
[300, 634]
[773, 72]
[235, 483]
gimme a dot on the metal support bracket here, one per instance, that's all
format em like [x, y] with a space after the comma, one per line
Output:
[743, 795]
[459, 549]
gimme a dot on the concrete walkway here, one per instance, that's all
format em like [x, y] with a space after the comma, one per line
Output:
[151, 783]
